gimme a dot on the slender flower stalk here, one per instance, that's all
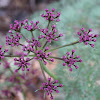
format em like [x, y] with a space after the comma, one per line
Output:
[43, 71]
[65, 45]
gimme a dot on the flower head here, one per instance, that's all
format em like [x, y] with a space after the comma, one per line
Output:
[49, 36]
[71, 60]
[86, 37]
[43, 56]
[51, 16]
[22, 63]
[49, 87]
[13, 39]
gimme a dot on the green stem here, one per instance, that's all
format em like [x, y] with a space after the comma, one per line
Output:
[41, 65]
[48, 24]
[10, 70]
[11, 56]
[44, 44]
[32, 34]
[18, 56]
[64, 46]
[49, 72]
[24, 37]
[56, 58]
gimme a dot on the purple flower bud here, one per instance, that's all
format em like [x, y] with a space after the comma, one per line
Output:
[51, 97]
[47, 93]
[64, 57]
[90, 30]
[76, 67]
[78, 57]
[96, 35]
[60, 34]
[57, 20]
[70, 69]
[28, 69]
[73, 50]
[40, 59]
[57, 91]
[56, 81]
[82, 29]
[68, 53]
[58, 14]
[16, 70]
[64, 64]
[80, 60]
[56, 39]
[79, 33]
[94, 40]
[41, 88]
[52, 60]
[45, 62]
[46, 48]
[92, 45]
[53, 9]
[53, 26]
[23, 69]
[69, 65]
[26, 20]
[60, 85]
[10, 31]
[49, 79]
[46, 9]
[86, 43]
[15, 59]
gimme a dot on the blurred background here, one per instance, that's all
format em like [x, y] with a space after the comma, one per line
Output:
[81, 84]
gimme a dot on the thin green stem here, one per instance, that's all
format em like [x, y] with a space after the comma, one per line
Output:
[32, 34]
[10, 70]
[48, 24]
[24, 37]
[49, 72]
[56, 58]
[41, 65]
[44, 44]
[64, 46]
[12, 56]
[18, 56]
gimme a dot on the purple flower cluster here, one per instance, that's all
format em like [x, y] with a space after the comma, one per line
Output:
[86, 37]
[16, 27]
[50, 35]
[13, 40]
[71, 60]
[49, 87]
[22, 63]
[31, 44]
[51, 16]
[25, 24]
[2, 53]
[42, 56]
[30, 26]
